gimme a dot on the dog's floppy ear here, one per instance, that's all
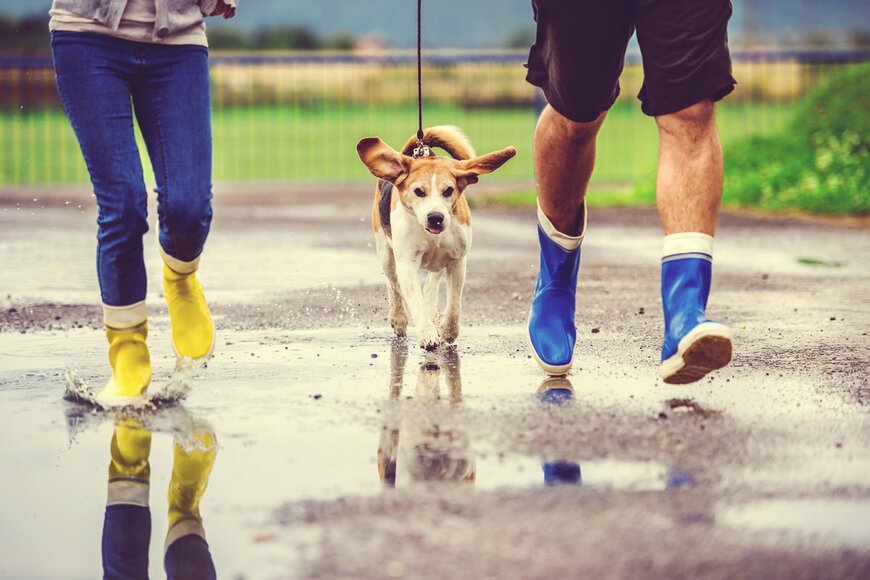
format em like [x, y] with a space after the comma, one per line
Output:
[382, 160]
[470, 169]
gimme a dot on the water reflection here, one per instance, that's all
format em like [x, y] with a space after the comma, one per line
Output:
[559, 392]
[127, 522]
[423, 443]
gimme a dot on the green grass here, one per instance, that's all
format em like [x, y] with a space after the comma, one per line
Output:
[298, 144]
[820, 162]
[820, 263]
[599, 195]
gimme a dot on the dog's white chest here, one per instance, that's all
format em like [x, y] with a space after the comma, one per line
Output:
[445, 249]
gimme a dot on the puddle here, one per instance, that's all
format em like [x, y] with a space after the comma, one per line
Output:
[611, 474]
[318, 415]
[296, 416]
[838, 521]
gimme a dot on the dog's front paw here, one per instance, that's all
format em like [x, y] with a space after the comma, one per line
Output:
[449, 330]
[429, 338]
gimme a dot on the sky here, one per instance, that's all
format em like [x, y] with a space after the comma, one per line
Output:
[488, 23]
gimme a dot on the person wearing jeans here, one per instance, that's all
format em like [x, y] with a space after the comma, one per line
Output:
[120, 62]
[577, 59]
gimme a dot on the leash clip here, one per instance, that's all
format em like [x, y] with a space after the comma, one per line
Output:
[421, 150]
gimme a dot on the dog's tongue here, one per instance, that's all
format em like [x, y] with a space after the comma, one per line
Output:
[436, 232]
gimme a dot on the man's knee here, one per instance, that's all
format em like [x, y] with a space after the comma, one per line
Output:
[573, 130]
[694, 120]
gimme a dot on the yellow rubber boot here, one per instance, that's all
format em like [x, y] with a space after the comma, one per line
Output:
[130, 470]
[192, 326]
[131, 367]
[191, 468]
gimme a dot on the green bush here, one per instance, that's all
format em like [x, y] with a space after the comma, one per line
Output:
[821, 163]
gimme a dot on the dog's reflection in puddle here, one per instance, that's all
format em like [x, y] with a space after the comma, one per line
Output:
[422, 440]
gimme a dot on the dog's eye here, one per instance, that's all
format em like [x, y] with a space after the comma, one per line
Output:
[448, 192]
[419, 192]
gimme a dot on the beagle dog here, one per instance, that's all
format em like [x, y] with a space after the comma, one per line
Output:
[421, 220]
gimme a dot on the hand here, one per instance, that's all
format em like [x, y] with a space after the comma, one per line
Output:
[224, 9]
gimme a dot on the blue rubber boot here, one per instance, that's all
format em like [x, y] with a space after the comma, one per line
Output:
[551, 323]
[556, 391]
[559, 392]
[693, 345]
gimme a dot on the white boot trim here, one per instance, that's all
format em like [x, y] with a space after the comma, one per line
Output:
[687, 245]
[697, 255]
[564, 241]
[125, 317]
[187, 527]
[179, 266]
[128, 492]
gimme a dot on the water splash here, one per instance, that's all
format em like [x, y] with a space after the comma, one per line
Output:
[160, 412]
[176, 389]
[78, 390]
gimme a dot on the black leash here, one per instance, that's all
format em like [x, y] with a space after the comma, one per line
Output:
[421, 150]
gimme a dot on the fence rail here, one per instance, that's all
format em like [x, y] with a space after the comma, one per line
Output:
[447, 58]
[296, 116]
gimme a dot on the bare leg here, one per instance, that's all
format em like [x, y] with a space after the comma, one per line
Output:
[564, 158]
[689, 189]
[689, 182]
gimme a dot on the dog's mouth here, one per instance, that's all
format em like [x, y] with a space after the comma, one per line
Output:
[433, 230]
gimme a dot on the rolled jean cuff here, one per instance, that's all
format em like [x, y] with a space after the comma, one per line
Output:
[125, 317]
[179, 266]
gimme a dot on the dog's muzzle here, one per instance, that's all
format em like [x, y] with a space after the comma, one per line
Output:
[435, 223]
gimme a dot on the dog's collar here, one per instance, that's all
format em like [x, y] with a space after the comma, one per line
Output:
[421, 150]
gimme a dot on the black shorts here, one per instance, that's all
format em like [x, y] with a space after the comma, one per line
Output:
[580, 49]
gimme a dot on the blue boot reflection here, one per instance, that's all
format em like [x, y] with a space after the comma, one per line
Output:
[558, 391]
[429, 449]
[127, 523]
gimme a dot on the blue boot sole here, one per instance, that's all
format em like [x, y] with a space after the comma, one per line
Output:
[705, 349]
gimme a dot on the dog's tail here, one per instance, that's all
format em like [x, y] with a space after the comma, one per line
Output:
[447, 137]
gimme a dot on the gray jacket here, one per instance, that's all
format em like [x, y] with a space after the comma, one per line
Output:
[172, 15]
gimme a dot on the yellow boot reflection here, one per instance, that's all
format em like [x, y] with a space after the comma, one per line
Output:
[129, 470]
[127, 523]
[191, 468]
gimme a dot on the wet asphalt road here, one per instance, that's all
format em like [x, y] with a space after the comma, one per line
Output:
[345, 454]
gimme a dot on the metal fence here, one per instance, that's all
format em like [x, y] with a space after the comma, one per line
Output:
[296, 117]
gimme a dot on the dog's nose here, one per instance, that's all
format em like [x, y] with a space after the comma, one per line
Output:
[436, 220]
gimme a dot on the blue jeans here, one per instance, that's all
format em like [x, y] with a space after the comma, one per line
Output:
[126, 538]
[103, 81]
